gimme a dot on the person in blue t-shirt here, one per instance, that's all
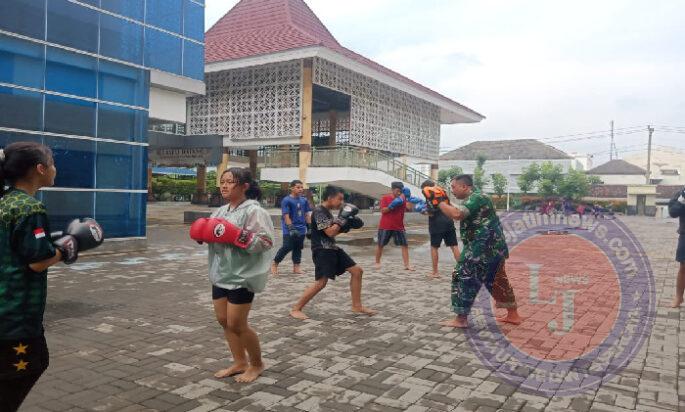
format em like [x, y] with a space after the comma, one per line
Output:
[295, 219]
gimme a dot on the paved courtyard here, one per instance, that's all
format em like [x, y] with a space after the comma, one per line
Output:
[137, 332]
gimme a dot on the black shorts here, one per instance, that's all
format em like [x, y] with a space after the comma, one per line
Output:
[331, 263]
[399, 236]
[680, 252]
[240, 296]
[450, 238]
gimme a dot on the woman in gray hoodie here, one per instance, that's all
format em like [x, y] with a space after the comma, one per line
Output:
[239, 235]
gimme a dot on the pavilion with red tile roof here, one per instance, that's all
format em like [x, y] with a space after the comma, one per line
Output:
[277, 77]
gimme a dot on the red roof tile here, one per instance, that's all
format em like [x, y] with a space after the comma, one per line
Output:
[259, 27]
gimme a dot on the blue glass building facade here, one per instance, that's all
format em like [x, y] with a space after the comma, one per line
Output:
[75, 75]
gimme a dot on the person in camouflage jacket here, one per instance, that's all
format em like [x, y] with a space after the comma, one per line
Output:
[26, 252]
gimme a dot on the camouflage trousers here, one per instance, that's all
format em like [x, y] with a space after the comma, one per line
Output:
[471, 274]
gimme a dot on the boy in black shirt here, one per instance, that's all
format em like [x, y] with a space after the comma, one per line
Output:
[676, 208]
[330, 261]
[441, 228]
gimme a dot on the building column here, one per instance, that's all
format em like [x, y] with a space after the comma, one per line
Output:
[222, 166]
[200, 197]
[252, 155]
[150, 194]
[333, 127]
[434, 172]
[305, 155]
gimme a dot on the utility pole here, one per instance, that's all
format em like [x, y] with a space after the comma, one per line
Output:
[650, 130]
[611, 147]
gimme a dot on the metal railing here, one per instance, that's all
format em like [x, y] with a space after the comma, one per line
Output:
[347, 156]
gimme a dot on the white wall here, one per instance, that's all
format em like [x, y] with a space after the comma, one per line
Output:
[167, 105]
[511, 169]
[622, 179]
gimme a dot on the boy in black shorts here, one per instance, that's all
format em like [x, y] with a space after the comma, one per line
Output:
[441, 228]
[330, 261]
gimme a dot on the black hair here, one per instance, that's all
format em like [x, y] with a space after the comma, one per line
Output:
[427, 183]
[244, 175]
[465, 179]
[295, 183]
[18, 159]
[331, 191]
[397, 185]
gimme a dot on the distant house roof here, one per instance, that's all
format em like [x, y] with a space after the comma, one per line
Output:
[263, 27]
[502, 149]
[617, 167]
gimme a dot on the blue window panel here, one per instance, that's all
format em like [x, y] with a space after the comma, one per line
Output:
[21, 109]
[193, 60]
[69, 116]
[9, 137]
[121, 123]
[70, 73]
[120, 166]
[194, 21]
[121, 214]
[123, 84]
[63, 207]
[72, 25]
[133, 9]
[162, 51]
[25, 17]
[165, 14]
[121, 39]
[21, 62]
[74, 160]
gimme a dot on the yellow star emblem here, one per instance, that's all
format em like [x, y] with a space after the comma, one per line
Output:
[21, 366]
[21, 349]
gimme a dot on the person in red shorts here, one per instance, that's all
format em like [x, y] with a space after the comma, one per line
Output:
[391, 225]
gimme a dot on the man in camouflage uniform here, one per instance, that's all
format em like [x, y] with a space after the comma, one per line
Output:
[24, 240]
[483, 255]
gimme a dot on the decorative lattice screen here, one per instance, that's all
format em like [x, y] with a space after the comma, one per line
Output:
[257, 102]
[383, 117]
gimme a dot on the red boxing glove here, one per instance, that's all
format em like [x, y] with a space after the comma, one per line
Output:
[216, 230]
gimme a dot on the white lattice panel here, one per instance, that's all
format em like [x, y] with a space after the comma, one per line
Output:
[383, 117]
[259, 102]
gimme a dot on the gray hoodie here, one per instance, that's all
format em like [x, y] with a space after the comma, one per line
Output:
[233, 268]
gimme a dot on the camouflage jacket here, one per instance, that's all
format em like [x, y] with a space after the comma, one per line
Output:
[24, 239]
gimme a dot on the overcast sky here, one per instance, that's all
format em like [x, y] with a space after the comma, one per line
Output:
[534, 68]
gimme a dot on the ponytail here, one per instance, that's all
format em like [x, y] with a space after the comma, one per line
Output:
[17, 159]
[244, 176]
[254, 192]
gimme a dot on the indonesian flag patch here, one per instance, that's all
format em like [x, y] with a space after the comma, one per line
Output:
[39, 233]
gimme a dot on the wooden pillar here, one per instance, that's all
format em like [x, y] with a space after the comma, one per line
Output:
[252, 154]
[434, 172]
[201, 188]
[222, 166]
[150, 194]
[305, 155]
[333, 128]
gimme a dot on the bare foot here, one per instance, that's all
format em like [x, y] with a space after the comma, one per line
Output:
[458, 322]
[274, 269]
[250, 375]
[433, 275]
[676, 302]
[409, 268]
[364, 311]
[297, 270]
[377, 266]
[298, 314]
[232, 371]
[514, 319]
